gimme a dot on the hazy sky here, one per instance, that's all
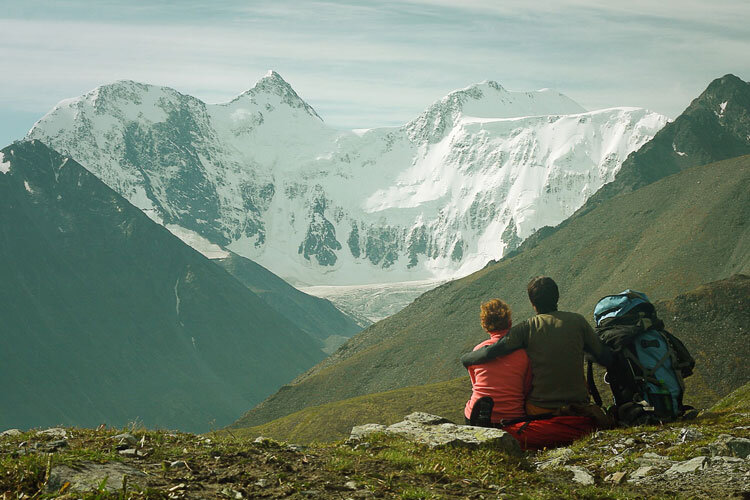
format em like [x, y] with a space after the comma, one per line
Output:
[374, 63]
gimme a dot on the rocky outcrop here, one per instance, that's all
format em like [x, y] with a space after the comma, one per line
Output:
[723, 461]
[87, 476]
[438, 432]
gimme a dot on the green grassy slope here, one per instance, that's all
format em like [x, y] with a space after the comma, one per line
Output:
[317, 317]
[334, 421]
[107, 317]
[737, 400]
[663, 239]
[711, 320]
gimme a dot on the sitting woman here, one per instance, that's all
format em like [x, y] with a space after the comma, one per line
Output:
[499, 387]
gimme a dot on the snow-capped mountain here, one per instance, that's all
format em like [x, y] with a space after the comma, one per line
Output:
[264, 176]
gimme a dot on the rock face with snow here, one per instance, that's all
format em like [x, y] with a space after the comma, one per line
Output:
[262, 175]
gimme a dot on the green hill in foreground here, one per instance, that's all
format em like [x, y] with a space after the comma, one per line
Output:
[721, 308]
[176, 465]
[665, 238]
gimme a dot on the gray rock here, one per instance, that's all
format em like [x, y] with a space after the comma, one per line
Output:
[125, 438]
[263, 440]
[55, 432]
[438, 432]
[692, 465]
[419, 417]
[89, 476]
[56, 445]
[351, 485]
[135, 452]
[688, 434]
[727, 460]
[580, 475]
[613, 462]
[630, 442]
[11, 432]
[360, 432]
[556, 458]
[449, 435]
[641, 473]
[730, 446]
[615, 477]
[653, 459]
[230, 493]
[262, 482]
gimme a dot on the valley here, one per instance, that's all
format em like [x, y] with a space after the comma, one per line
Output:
[372, 302]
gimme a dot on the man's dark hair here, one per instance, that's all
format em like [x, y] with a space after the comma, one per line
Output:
[543, 294]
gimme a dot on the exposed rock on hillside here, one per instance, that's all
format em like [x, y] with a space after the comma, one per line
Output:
[438, 432]
[699, 459]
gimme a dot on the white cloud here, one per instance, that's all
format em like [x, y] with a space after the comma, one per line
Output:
[382, 61]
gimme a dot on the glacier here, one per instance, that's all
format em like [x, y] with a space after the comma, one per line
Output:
[264, 176]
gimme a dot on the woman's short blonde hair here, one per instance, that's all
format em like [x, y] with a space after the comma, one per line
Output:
[495, 315]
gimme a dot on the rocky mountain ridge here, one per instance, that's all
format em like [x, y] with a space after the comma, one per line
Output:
[714, 127]
[263, 176]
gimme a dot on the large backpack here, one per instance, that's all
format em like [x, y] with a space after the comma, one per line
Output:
[646, 377]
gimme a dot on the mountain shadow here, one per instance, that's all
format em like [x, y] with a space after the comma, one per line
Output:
[315, 316]
[109, 318]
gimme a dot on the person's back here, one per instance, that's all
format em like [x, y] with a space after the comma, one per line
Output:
[505, 380]
[555, 342]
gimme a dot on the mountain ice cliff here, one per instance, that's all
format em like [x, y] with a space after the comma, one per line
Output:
[264, 176]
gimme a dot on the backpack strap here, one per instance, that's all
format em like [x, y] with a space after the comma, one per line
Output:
[592, 384]
[682, 362]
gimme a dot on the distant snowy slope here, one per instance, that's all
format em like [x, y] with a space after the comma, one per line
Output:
[265, 177]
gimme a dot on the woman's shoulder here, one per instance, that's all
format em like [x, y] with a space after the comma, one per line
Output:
[487, 342]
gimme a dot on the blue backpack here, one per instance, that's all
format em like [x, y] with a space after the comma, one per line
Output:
[650, 363]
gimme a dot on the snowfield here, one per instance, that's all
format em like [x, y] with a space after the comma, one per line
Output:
[262, 175]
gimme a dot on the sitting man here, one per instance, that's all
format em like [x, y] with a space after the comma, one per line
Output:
[500, 384]
[555, 342]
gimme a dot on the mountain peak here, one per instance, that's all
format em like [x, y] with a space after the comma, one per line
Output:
[273, 80]
[727, 81]
[728, 87]
[487, 99]
[272, 83]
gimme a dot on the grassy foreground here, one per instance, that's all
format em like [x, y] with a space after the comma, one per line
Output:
[177, 465]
